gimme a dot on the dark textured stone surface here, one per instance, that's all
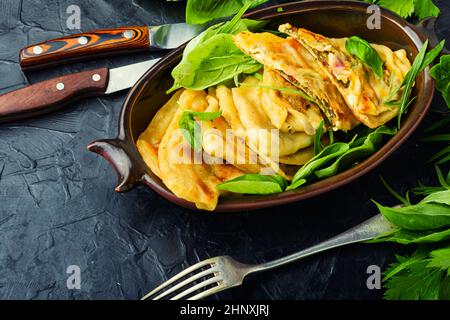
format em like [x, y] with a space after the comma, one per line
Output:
[58, 207]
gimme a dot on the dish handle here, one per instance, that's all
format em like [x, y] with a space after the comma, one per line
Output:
[428, 28]
[115, 152]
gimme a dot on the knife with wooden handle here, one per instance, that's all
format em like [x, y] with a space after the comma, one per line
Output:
[49, 95]
[107, 42]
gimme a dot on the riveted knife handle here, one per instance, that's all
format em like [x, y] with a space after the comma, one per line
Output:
[49, 95]
[107, 42]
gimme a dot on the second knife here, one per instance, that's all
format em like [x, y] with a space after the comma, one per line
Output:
[49, 95]
[106, 42]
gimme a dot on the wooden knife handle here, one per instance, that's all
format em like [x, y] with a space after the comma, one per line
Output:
[85, 45]
[52, 94]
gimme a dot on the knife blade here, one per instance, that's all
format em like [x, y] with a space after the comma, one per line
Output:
[106, 42]
[49, 95]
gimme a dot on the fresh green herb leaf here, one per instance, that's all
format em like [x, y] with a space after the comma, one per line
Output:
[414, 281]
[409, 81]
[366, 53]
[255, 184]
[318, 139]
[191, 129]
[331, 135]
[440, 259]
[410, 8]
[203, 11]
[406, 237]
[404, 8]
[212, 57]
[441, 73]
[422, 60]
[328, 154]
[438, 138]
[431, 214]
[405, 201]
[360, 149]
[425, 8]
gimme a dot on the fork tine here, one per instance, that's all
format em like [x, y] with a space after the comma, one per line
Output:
[186, 282]
[179, 276]
[197, 287]
[209, 292]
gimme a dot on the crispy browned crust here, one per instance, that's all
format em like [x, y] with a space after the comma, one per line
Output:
[367, 107]
[293, 62]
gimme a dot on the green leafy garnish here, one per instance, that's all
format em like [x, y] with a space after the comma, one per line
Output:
[366, 53]
[255, 184]
[191, 129]
[439, 130]
[410, 8]
[431, 213]
[423, 276]
[422, 60]
[441, 73]
[339, 156]
[424, 222]
[212, 57]
[359, 149]
[203, 11]
[318, 139]
[324, 157]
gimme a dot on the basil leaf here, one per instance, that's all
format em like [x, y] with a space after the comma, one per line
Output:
[423, 216]
[366, 53]
[203, 11]
[370, 145]
[441, 73]
[212, 57]
[318, 138]
[191, 129]
[254, 184]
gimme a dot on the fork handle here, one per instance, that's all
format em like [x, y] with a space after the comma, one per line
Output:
[367, 230]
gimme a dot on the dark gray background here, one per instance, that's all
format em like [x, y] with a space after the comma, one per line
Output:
[58, 207]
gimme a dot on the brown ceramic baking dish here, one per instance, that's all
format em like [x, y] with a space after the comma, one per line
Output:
[331, 18]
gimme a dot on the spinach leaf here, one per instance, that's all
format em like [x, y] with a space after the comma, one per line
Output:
[191, 129]
[360, 150]
[441, 73]
[323, 158]
[203, 11]
[318, 139]
[255, 184]
[366, 53]
[212, 57]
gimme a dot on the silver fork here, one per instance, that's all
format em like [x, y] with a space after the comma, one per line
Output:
[222, 273]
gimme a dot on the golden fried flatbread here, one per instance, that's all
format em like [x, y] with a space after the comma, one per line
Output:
[289, 112]
[258, 127]
[366, 94]
[295, 64]
[150, 139]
